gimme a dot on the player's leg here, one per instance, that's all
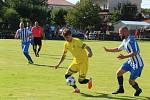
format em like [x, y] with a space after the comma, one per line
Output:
[134, 74]
[40, 46]
[71, 70]
[120, 72]
[35, 46]
[25, 47]
[82, 74]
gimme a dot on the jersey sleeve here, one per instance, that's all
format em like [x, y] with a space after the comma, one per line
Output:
[121, 47]
[29, 32]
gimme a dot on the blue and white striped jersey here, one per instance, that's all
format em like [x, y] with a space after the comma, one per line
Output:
[130, 45]
[24, 34]
[29, 28]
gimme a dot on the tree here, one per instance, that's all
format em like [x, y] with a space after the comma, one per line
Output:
[10, 16]
[128, 12]
[84, 15]
[58, 16]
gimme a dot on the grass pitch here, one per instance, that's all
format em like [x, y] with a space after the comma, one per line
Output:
[21, 81]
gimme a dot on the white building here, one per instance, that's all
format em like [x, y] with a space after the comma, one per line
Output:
[59, 4]
[112, 4]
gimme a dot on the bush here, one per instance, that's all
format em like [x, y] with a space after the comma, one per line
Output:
[11, 16]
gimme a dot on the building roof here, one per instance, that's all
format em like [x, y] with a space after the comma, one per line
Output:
[138, 23]
[59, 3]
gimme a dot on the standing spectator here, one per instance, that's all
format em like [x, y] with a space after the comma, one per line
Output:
[29, 27]
[47, 31]
[136, 33]
[25, 36]
[37, 35]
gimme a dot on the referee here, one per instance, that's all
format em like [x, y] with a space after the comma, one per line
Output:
[25, 35]
[37, 35]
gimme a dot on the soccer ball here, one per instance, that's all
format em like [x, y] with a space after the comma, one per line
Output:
[70, 81]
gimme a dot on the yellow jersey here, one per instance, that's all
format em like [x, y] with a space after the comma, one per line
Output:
[75, 47]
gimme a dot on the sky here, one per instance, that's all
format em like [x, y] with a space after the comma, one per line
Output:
[145, 3]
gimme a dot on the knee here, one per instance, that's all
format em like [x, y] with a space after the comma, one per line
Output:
[80, 81]
[131, 82]
[25, 53]
[119, 73]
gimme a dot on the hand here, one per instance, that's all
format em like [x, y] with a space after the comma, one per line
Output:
[90, 55]
[121, 56]
[105, 49]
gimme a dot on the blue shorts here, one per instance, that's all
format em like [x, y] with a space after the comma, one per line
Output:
[134, 73]
[25, 46]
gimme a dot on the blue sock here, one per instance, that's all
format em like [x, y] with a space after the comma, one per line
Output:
[120, 81]
[27, 56]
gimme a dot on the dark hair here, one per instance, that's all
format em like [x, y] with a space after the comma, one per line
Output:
[66, 32]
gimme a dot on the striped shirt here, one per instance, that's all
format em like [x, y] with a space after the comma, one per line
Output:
[29, 28]
[24, 34]
[131, 45]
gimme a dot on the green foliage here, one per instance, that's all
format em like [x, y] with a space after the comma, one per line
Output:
[115, 16]
[128, 12]
[124, 12]
[84, 15]
[58, 16]
[10, 15]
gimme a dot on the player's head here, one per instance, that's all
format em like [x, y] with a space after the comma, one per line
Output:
[28, 24]
[67, 35]
[36, 24]
[123, 32]
[21, 25]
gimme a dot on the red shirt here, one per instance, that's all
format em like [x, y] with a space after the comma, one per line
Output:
[37, 31]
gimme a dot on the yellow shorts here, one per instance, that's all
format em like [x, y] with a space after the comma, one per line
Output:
[81, 67]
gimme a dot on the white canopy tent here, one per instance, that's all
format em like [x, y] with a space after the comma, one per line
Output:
[132, 25]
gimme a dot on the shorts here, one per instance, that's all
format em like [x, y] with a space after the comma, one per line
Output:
[25, 46]
[81, 67]
[38, 41]
[134, 73]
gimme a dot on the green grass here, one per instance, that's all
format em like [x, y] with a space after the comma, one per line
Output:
[21, 81]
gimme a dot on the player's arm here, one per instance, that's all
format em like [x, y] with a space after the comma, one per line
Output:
[62, 59]
[16, 35]
[29, 34]
[88, 49]
[112, 49]
[121, 56]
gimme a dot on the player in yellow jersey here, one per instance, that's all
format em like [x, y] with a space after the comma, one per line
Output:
[80, 53]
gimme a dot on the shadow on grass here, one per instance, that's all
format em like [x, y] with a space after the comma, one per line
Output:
[52, 56]
[42, 65]
[108, 96]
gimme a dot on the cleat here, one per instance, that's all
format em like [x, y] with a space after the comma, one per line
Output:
[30, 62]
[118, 91]
[138, 92]
[37, 55]
[90, 83]
[76, 90]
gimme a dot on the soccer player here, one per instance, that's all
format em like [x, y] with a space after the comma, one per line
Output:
[80, 59]
[25, 36]
[37, 35]
[134, 64]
